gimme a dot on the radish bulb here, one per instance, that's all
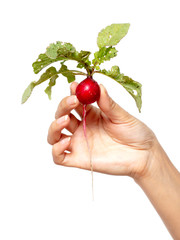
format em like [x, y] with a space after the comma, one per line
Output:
[87, 92]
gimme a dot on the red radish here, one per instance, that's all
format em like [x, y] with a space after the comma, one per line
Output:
[88, 91]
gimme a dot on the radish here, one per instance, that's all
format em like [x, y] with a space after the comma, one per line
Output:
[88, 91]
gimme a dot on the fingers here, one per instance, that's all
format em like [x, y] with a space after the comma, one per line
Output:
[58, 150]
[69, 122]
[73, 87]
[111, 109]
[64, 119]
[68, 159]
[54, 133]
[66, 106]
[73, 124]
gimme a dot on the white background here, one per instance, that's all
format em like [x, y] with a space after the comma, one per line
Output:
[43, 201]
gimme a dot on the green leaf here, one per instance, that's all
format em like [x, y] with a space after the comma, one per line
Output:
[104, 54]
[52, 82]
[114, 73]
[51, 51]
[83, 59]
[27, 92]
[60, 49]
[50, 72]
[84, 55]
[69, 74]
[55, 52]
[111, 35]
[80, 65]
[42, 62]
[133, 87]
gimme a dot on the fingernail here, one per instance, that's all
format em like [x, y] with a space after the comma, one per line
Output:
[62, 119]
[65, 140]
[72, 100]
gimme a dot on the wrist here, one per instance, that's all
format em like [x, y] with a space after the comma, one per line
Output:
[159, 169]
[156, 163]
[161, 184]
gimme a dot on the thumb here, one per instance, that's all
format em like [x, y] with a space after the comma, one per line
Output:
[111, 109]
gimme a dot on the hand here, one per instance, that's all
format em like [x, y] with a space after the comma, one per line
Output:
[120, 143]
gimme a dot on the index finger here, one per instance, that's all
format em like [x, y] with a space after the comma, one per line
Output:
[66, 105]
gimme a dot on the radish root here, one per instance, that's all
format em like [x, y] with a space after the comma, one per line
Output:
[89, 150]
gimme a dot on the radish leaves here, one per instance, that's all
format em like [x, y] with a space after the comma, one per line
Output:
[70, 75]
[27, 92]
[111, 35]
[52, 82]
[104, 54]
[133, 87]
[63, 52]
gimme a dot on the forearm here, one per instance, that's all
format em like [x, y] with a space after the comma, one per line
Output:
[161, 184]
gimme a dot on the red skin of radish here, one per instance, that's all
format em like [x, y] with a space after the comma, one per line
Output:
[88, 91]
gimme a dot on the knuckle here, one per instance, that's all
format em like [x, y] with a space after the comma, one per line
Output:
[53, 127]
[48, 135]
[48, 139]
[54, 150]
[56, 114]
[61, 108]
[51, 132]
[55, 161]
[63, 104]
[112, 104]
[55, 154]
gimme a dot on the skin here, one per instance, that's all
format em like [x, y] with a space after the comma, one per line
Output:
[121, 145]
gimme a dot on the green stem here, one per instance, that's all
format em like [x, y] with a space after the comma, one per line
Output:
[93, 68]
[105, 75]
[76, 72]
[86, 66]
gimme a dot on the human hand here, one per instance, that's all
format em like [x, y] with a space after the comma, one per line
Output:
[120, 143]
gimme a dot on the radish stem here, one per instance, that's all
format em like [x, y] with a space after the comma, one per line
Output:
[89, 150]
